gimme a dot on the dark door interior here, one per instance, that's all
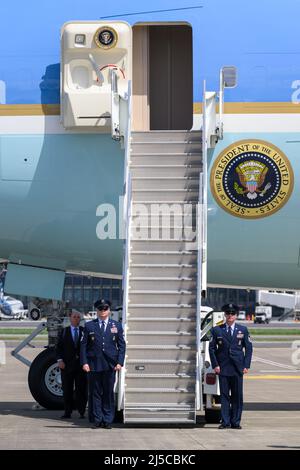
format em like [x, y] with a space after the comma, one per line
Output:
[171, 77]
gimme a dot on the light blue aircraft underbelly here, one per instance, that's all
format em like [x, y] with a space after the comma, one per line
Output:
[48, 203]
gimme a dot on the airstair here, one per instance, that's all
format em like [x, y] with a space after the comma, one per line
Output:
[162, 292]
[164, 271]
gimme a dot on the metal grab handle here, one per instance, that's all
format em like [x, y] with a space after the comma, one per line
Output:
[96, 68]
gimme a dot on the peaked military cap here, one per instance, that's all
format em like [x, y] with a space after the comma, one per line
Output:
[102, 303]
[230, 308]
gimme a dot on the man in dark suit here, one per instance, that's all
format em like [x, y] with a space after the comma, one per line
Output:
[230, 352]
[102, 353]
[68, 357]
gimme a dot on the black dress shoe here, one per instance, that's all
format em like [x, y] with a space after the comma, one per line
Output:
[96, 426]
[65, 416]
[106, 425]
[236, 426]
[223, 426]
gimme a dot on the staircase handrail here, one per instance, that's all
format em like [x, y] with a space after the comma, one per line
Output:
[126, 227]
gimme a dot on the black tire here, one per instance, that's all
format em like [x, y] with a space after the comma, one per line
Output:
[212, 416]
[37, 381]
[35, 314]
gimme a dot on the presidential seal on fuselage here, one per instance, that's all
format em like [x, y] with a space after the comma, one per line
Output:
[106, 37]
[251, 179]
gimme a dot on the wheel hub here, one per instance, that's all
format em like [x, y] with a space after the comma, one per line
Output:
[53, 380]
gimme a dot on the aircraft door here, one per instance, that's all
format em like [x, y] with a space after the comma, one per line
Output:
[95, 71]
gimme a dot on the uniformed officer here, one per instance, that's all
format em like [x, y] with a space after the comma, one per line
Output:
[102, 353]
[230, 352]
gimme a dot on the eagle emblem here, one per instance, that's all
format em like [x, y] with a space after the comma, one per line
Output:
[252, 175]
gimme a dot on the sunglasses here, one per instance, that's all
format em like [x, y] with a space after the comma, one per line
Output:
[103, 309]
[230, 313]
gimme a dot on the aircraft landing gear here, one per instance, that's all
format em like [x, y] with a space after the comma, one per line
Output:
[44, 380]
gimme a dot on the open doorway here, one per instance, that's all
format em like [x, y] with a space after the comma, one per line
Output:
[162, 77]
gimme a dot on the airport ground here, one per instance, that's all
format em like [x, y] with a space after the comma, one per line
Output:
[271, 419]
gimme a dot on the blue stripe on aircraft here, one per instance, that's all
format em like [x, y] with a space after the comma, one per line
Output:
[260, 38]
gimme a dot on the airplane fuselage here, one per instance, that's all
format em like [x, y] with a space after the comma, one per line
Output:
[53, 181]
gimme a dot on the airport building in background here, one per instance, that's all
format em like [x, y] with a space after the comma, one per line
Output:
[82, 292]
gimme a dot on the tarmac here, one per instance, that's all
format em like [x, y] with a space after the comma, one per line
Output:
[271, 418]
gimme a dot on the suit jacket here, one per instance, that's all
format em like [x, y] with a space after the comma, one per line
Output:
[102, 352]
[66, 349]
[231, 353]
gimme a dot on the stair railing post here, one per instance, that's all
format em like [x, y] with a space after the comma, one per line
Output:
[126, 246]
[115, 106]
[221, 104]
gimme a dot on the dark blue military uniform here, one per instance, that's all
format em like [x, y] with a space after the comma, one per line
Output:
[232, 353]
[102, 352]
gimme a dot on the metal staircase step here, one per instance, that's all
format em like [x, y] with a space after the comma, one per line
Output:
[166, 311]
[165, 170]
[166, 418]
[161, 146]
[139, 352]
[169, 196]
[164, 297]
[177, 258]
[157, 338]
[150, 389]
[171, 305]
[173, 271]
[163, 232]
[161, 244]
[156, 353]
[160, 367]
[159, 362]
[159, 396]
[159, 399]
[187, 325]
[158, 412]
[165, 159]
[156, 381]
[159, 183]
[162, 283]
[168, 135]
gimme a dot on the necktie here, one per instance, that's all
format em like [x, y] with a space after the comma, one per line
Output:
[102, 329]
[76, 336]
[229, 331]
